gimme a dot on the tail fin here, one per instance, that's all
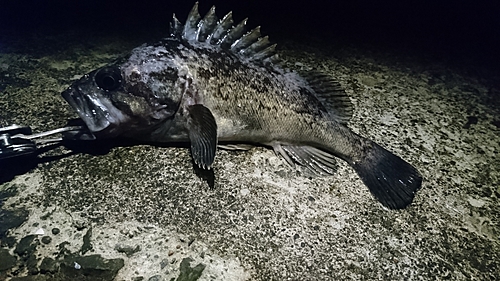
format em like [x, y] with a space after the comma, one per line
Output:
[390, 179]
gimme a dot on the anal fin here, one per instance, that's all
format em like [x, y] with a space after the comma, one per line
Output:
[202, 134]
[316, 160]
[236, 146]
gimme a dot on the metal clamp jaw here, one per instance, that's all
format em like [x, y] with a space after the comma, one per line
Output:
[17, 141]
[11, 146]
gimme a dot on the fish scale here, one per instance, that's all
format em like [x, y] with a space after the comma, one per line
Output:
[212, 84]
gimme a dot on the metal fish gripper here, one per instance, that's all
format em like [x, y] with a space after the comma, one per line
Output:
[18, 141]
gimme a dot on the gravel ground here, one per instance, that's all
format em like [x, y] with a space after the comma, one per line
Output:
[140, 212]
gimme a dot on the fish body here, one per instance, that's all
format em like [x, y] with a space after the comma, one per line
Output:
[210, 83]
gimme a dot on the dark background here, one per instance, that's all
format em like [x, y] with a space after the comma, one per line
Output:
[457, 28]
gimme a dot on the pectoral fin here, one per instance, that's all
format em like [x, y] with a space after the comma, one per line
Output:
[202, 134]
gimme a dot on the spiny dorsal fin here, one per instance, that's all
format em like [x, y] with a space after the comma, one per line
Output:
[331, 94]
[209, 30]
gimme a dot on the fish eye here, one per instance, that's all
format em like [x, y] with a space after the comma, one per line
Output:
[108, 78]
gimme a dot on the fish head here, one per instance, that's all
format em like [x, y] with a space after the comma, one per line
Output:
[126, 99]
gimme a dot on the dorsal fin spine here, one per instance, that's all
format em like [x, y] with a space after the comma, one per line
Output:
[233, 34]
[221, 29]
[267, 52]
[257, 46]
[246, 40]
[175, 27]
[209, 30]
[191, 25]
[207, 25]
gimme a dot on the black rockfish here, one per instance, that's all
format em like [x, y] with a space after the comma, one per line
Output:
[210, 82]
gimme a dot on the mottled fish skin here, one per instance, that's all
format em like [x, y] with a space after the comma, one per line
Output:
[209, 83]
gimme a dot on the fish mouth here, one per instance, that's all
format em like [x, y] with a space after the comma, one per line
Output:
[102, 118]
